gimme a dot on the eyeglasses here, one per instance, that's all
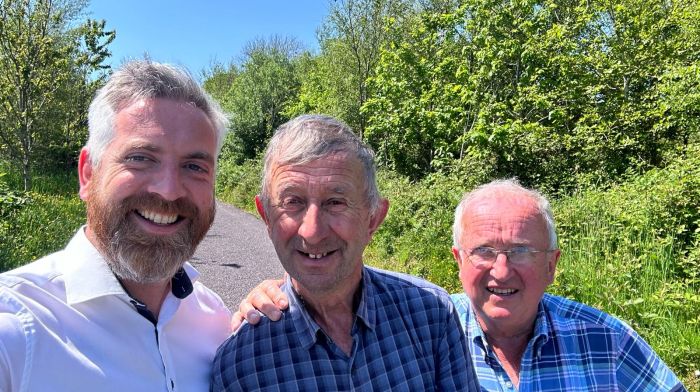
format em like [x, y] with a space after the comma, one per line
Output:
[485, 256]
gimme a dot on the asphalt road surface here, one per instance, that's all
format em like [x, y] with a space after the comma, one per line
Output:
[235, 255]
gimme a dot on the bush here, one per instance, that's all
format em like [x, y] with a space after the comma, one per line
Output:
[238, 184]
[416, 236]
[633, 251]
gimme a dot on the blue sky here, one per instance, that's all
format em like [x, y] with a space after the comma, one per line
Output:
[194, 33]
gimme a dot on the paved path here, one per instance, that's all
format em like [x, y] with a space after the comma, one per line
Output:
[236, 255]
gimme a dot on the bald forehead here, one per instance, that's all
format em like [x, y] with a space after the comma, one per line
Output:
[504, 199]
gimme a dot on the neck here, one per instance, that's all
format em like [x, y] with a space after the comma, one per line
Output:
[333, 311]
[151, 294]
[509, 345]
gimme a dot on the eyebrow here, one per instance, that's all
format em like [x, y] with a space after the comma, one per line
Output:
[205, 156]
[292, 186]
[201, 155]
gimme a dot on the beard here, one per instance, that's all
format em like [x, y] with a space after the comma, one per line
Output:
[138, 256]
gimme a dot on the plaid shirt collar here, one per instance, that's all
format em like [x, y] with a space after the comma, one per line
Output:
[307, 329]
[542, 331]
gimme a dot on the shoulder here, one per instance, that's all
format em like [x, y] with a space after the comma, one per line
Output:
[398, 283]
[414, 300]
[566, 312]
[243, 353]
[206, 307]
[201, 294]
[637, 365]
[41, 276]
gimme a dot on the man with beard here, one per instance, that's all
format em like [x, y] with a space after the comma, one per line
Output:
[119, 309]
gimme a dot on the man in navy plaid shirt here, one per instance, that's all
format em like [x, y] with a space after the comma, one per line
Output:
[348, 327]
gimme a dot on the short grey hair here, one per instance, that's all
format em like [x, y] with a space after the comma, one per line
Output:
[511, 186]
[146, 79]
[311, 137]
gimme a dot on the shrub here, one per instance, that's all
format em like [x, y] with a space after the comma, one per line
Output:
[633, 251]
[416, 236]
[238, 184]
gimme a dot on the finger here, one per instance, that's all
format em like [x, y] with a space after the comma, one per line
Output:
[273, 291]
[248, 312]
[261, 301]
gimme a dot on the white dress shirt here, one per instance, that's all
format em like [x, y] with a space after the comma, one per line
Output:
[66, 324]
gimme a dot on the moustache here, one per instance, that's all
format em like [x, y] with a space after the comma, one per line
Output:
[182, 207]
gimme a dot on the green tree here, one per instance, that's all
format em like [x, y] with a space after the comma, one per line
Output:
[218, 79]
[259, 94]
[326, 84]
[351, 39]
[556, 92]
[45, 64]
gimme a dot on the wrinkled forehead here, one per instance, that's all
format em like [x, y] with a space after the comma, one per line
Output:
[336, 167]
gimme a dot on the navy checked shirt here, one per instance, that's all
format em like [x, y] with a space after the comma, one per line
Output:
[406, 337]
[574, 348]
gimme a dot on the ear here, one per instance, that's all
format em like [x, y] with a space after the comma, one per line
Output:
[378, 217]
[261, 208]
[552, 261]
[457, 256]
[85, 170]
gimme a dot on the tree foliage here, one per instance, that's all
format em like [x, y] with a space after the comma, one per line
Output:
[49, 69]
[555, 92]
[352, 37]
[257, 96]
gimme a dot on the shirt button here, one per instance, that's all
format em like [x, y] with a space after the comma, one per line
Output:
[509, 384]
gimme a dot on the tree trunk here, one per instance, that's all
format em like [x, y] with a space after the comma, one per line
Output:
[27, 174]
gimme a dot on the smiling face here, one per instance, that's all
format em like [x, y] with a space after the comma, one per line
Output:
[319, 221]
[505, 297]
[150, 200]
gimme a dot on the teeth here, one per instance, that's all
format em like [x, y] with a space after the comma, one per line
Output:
[161, 219]
[317, 255]
[501, 291]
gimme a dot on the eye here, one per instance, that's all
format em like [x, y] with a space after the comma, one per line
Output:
[292, 204]
[336, 205]
[136, 158]
[483, 251]
[197, 168]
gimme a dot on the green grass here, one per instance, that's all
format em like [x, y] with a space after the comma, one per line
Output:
[38, 222]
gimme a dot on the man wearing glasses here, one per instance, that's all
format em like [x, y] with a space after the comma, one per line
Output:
[519, 337]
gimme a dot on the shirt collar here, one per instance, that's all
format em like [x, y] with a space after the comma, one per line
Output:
[307, 329]
[88, 276]
[539, 337]
[542, 329]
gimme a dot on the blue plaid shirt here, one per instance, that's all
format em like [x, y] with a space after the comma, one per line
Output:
[406, 337]
[574, 348]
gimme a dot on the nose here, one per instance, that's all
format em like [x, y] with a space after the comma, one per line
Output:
[167, 184]
[312, 228]
[501, 269]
